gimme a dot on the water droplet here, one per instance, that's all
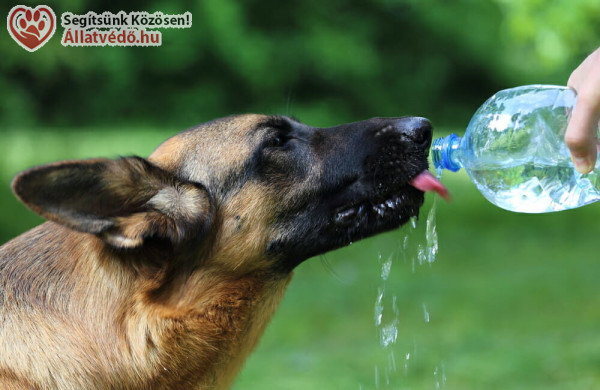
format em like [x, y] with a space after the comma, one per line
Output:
[379, 306]
[431, 234]
[413, 222]
[389, 334]
[425, 313]
[439, 374]
[421, 254]
[385, 268]
[392, 362]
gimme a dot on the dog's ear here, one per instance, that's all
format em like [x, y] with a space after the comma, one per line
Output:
[122, 201]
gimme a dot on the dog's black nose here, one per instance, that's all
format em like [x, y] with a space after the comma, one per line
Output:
[417, 129]
[413, 129]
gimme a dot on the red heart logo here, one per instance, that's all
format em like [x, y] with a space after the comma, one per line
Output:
[31, 27]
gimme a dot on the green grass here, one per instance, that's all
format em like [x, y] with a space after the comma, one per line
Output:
[513, 299]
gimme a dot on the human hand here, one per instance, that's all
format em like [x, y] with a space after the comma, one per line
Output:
[581, 132]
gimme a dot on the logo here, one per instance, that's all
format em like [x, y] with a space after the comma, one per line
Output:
[31, 27]
[133, 28]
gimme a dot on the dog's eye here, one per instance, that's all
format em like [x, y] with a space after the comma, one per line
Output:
[276, 141]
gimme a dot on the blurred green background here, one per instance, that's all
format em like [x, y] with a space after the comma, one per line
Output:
[513, 300]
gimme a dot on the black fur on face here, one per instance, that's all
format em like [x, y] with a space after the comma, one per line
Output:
[341, 184]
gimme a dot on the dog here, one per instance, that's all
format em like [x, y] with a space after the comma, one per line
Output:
[162, 273]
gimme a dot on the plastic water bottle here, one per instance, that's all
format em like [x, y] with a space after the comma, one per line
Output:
[514, 152]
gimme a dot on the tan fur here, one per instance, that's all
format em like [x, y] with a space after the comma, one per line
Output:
[79, 315]
[248, 233]
[234, 134]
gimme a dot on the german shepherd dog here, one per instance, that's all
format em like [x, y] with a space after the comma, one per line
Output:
[162, 273]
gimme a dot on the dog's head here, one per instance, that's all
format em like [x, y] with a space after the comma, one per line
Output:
[266, 191]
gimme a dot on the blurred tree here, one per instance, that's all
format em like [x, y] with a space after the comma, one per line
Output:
[325, 62]
[549, 37]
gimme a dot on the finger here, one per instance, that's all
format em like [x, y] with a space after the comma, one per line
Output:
[580, 136]
[584, 70]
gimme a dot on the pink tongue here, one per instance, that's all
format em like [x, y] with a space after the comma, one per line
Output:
[425, 182]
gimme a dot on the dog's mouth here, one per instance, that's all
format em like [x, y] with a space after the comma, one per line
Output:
[426, 182]
[395, 208]
[367, 211]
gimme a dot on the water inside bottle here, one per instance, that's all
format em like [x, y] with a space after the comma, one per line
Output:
[536, 188]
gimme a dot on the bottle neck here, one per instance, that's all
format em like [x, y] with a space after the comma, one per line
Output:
[444, 153]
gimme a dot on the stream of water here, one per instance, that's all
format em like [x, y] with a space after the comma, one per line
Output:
[416, 251]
